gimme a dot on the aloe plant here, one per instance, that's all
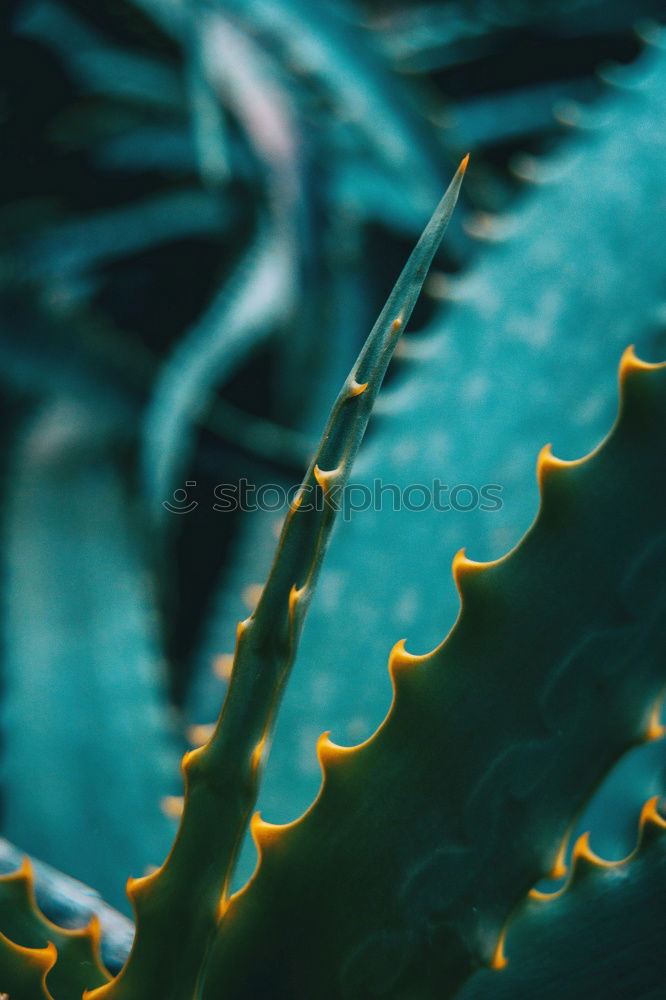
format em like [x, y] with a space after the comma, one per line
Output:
[417, 863]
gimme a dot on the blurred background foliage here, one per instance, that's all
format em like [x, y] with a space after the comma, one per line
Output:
[203, 206]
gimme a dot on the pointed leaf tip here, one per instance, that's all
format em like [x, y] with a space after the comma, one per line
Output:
[463, 165]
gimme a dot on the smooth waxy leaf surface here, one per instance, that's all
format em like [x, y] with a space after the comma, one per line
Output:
[399, 879]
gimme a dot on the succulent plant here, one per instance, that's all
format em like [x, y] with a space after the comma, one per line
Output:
[274, 154]
[401, 879]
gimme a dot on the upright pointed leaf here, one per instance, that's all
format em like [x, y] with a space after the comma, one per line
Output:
[178, 906]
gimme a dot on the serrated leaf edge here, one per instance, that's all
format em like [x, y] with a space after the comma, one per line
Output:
[401, 663]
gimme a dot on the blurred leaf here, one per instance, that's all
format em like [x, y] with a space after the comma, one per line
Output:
[84, 711]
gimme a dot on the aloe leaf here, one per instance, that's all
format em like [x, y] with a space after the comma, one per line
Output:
[253, 86]
[96, 240]
[399, 879]
[51, 351]
[82, 666]
[70, 904]
[178, 906]
[425, 38]
[150, 147]
[209, 125]
[240, 317]
[98, 66]
[260, 295]
[24, 970]
[613, 913]
[506, 116]
[611, 816]
[318, 40]
[78, 964]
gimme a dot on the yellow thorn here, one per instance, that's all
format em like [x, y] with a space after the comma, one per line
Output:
[630, 363]
[172, 806]
[582, 849]
[559, 868]
[258, 753]
[463, 568]
[329, 752]
[655, 730]
[323, 749]
[541, 896]
[190, 757]
[252, 594]
[222, 665]
[264, 834]
[356, 388]
[23, 873]
[295, 595]
[650, 814]
[226, 897]
[499, 959]
[400, 660]
[137, 887]
[134, 886]
[324, 478]
[583, 852]
[547, 463]
[199, 734]
[223, 904]
[51, 956]
[463, 165]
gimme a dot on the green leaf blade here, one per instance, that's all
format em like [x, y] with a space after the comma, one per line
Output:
[399, 879]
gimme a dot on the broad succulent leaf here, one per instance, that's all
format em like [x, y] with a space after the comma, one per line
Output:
[80, 686]
[613, 913]
[71, 905]
[77, 964]
[24, 970]
[399, 879]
